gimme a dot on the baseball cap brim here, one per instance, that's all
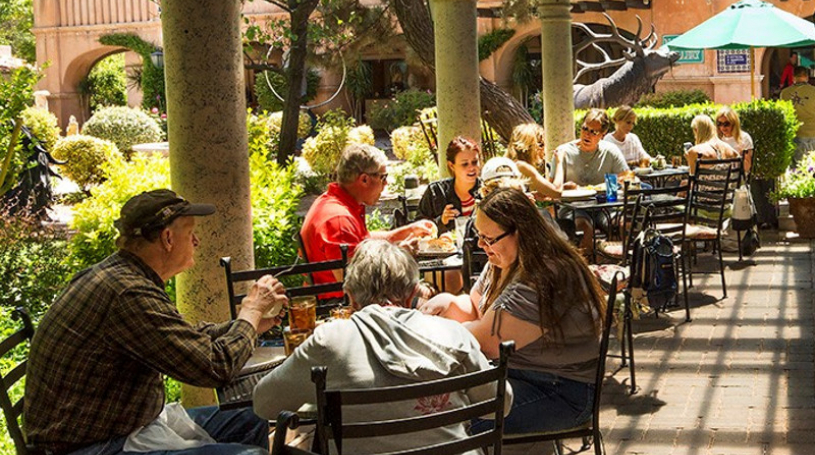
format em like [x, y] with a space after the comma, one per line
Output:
[197, 210]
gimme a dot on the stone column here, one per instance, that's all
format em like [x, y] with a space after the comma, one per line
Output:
[457, 92]
[206, 105]
[556, 64]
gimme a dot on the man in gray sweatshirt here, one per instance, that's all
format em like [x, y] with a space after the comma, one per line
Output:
[383, 344]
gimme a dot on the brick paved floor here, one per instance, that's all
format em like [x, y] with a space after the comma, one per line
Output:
[738, 379]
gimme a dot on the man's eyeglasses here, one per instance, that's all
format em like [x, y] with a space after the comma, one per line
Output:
[594, 132]
[492, 241]
[723, 124]
[383, 176]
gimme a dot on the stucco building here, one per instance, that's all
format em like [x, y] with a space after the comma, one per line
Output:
[68, 33]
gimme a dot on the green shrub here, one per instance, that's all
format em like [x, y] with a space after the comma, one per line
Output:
[123, 126]
[275, 198]
[401, 110]
[84, 157]
[93, 218]
[772, 125]
[409, 144]
[376, 221]
[797, 183]
[16, 94]
[33, 269]
[43, 125]
[675, 98]
[269, 102]
[264, 131]
[322, 152]
[106, 84]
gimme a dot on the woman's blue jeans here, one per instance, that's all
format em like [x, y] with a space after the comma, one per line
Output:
[543, 402]
[238, 432]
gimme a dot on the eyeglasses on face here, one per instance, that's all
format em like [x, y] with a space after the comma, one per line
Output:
[489, 241]
[383, 176]
[593, 132]
[724, 124]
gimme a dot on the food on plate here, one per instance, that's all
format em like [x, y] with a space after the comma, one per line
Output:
[444, 244]
[626, 176]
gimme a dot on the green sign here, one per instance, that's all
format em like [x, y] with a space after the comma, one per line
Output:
[693, 56]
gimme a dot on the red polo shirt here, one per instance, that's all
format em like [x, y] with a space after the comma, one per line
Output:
[335, 218]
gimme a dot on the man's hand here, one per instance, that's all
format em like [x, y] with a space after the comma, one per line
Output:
[265, 300]
[448, 214]
[411, 244]
[423, 228]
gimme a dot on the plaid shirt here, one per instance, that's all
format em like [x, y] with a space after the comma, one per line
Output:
[97, 359]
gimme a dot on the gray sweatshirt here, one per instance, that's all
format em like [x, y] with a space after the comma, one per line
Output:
[378, 347]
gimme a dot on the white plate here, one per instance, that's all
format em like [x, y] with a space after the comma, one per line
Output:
[642, 170]
[577, 194]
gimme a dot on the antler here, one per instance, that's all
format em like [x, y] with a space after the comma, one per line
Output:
[634, 48]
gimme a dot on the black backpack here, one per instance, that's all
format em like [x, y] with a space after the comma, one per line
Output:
[653, 275]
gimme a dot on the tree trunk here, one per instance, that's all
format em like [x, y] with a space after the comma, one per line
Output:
[295, 75]
[501, 110]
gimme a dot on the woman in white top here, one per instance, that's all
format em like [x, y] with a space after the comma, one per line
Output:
[728, 128]
[624, 120]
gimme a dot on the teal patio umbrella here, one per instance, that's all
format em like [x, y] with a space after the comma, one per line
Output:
[748, 24]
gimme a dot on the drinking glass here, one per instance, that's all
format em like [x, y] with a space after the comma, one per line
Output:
[293, 337]
[303, 313]
[461, 230]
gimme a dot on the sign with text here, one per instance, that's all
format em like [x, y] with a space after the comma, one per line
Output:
[691, 56]
[733, 61]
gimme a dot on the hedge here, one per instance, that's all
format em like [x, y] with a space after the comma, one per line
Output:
[772, 125]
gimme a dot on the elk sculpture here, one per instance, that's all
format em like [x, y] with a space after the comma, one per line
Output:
[641, 66]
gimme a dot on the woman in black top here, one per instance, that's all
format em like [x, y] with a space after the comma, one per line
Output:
[444, 200]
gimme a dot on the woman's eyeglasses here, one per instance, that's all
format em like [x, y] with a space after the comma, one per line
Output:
[723, 124]
[492, 241]
[594, 132]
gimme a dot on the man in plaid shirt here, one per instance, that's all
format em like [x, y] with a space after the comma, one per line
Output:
[95, 374]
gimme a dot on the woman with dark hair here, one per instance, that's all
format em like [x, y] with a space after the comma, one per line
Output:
[538, 291]
[444, 200]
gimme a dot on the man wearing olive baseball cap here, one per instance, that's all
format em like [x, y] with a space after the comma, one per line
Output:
[95, 374]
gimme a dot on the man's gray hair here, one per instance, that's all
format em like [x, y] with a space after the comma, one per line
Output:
[357, 159]
[380, 273]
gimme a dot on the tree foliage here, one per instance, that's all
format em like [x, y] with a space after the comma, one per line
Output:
[16, 94]
[106, 84]
[151, 78]
[16, 22]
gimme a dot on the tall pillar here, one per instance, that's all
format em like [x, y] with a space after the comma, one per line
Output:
[556, 64]
[206, 105]
[457, 92]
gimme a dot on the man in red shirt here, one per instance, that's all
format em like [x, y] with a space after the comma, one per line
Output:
[337, 217]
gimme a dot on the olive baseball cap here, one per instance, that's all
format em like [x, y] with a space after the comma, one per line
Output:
[156, 209]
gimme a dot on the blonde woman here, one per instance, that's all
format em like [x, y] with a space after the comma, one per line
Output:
[708, 145]
[629, 143]
[728, 128]
[526, 148]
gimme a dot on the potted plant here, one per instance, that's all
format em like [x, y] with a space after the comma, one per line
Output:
[797, 185]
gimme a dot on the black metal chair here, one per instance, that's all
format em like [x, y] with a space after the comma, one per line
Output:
[473, 262]
[331, 403]
[713, 185]
[323, 306]
[286, 420]
[13, 410]
[405, 213]
[590, 429]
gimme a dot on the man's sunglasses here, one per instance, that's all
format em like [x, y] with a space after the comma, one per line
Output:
[594, 132]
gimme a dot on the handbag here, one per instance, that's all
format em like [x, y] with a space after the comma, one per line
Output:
[743, 215]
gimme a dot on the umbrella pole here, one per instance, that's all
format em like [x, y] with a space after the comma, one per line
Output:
[752, 73]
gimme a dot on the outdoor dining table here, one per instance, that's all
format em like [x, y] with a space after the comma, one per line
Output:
[660, 178]
[439, 262]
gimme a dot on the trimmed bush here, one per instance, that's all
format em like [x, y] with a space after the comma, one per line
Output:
[43, 125]
[264, 130]
[123, 126]
[401, 110]
[772, 125]
[323, 151]
[84, 157]
[675, 98]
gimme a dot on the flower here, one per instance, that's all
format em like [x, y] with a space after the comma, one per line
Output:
[154, 110]
[798, 182]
